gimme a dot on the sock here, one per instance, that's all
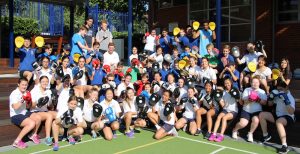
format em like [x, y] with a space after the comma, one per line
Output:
[199, 128]
[157, 126]
[284, 144]
[265, 134]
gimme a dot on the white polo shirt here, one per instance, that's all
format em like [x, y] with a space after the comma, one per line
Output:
[15, 97]
[253, 106]
[159, 107]
[189, 110]
[88, 111]
[113, 104]
[36, 94]
[77, 114]
[109, 59]
[281, 109]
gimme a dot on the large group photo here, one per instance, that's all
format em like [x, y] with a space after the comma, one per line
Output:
[164, 76]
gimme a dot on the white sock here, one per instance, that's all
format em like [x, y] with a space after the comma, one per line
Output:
[199, 128]
[157, 126]
[265, 134]
[284, 144]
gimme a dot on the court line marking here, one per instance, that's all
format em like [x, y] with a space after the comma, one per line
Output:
[145, 145]
[235, 149]
[209, 143]
[67, 145]
[218, 150]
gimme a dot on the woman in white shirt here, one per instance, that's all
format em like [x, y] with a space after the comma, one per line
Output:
[157, 57]
[92, 123]
[45, 71]
[263, 72]
[81, 84]
[284, 114]
[41, 101]
[150, 42]
[206, 73]
[71, 119]
[66, 70]
[253, 99]
[111, 111]
[168, 120]
[130, 112]
[19, 102]
[229, 112]
[191, 106]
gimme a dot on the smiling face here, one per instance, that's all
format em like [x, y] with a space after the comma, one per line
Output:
[109, 95]
[45, 63]
[130, 94]
[44, 83]
[227, 84]
[180, 83]
[204, 63]
[72, 104]
[255, 83]
[284, 64]
[81, 62]
[93, 95]
[165, 97]
[261, 62]
[208, 88]
[191, 93]
[23, 86]
[65, 62]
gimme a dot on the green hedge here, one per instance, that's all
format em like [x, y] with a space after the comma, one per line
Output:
[22, 26]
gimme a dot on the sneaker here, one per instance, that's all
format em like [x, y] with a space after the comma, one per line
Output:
[35, 138]
[48, 141]
[71, 140]
[114, 134]
[55, 146]
[184, 128]
[20, 144]
[266, 138]
[207, 135]
[130, 134]
[250, 137]
[219, 138]
[62, 138]
[198, 132]
[212, 137]
[94, 134]
[234, 135]
[173, 132]
[284, 149]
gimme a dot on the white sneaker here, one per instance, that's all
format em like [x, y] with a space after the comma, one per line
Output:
[173, 132]
[184, 127]
[250, 137]
[234, 135]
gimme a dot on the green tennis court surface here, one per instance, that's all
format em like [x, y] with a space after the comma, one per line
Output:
[145, 144]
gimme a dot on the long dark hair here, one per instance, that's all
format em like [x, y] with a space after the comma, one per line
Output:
[286, 72]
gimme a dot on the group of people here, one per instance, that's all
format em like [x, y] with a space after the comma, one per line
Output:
[174, 83]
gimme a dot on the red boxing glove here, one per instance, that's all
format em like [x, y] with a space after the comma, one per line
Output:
[116, 72]
[27, 96]
[129, 70]
[121, 74]
[157, 38]
[106, 68]
[96, 63]
[147, 34]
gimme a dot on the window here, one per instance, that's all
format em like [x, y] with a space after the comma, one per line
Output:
[236, 17]
[171, 3]
[288, 11]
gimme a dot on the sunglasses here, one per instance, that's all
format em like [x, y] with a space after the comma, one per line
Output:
[111, 80]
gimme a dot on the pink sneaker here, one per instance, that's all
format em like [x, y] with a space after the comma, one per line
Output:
[35, 138]
[20, 144]
[219, 138]
[212, 137]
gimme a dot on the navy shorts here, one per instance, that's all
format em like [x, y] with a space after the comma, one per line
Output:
[167, 127]
[232, 112]
[247, 115]
[188, 120]
[290, 121]
[18, 119]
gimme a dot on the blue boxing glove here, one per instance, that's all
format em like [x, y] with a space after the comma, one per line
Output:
[184, 54]
[110, 115]
[88, 69]
[145, 94]
[53, 58]
[285, 98]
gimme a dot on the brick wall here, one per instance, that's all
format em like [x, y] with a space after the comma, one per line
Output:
[287, 36]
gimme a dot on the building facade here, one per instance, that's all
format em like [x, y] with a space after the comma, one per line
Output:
[275, 22]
